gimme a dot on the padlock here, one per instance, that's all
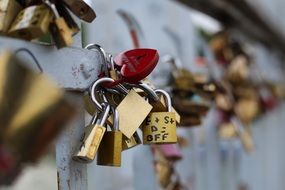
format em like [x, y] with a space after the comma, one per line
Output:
[171, 152]
[92, 137]
[63, 12]
[126, 108]
[81, 9]
[195, 107]
[9, 10]
[190, 120]
[129, 143]
[135, 65]
[132, 112]
[32, 22]
[158, 102]
[160, 127]
[110, 150]
[32, 109]
[183, 80]
[61, 33]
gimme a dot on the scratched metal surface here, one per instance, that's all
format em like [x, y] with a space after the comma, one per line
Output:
[72, 68]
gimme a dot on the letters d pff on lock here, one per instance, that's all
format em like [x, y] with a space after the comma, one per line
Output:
[160, 127]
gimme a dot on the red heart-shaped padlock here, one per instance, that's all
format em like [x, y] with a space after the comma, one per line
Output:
[136, 64]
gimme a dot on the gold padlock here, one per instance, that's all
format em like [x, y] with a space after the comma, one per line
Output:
[160, 105]
[183, 79]
[61, 33]
[130, 117]
[9, 10]
[92, 137]
[129, 143]
[32, 22]
[110, 150]
[32, 109]
[63, 12]
[160, 127]
[81, 9]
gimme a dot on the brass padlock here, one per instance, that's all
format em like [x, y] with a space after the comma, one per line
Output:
[129, 143]
[110, 150]
[32, 22]
[63, 12]
[183, 79]
[32, 109]
[160, 127]
[61, 33]
[92, 137]
[81, 9]
[9, 10]
[130, 117]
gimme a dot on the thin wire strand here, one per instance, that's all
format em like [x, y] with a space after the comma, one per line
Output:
[32, 55]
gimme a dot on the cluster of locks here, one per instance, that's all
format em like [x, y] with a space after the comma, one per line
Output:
[122, 101]
[35, 19]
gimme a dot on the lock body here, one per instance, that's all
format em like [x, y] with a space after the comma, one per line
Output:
[109, 153]
[160, 128]
[90, 142]
[130, 117]
[32, 22]
[81, 9]
[129, 143]
[9, 10]
[61, 33]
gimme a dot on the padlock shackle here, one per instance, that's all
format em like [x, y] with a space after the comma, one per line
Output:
[95, 86]
[104, 57]
[167, 98]
[147, 89]
[105, 113]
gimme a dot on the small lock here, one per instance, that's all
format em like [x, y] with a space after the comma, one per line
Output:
[63, 12]
[9, 10]
[109, 153]
[129, 143]
[32, 22]
[81, 9]
[160, 127]
[92, 137]
[61, 33]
